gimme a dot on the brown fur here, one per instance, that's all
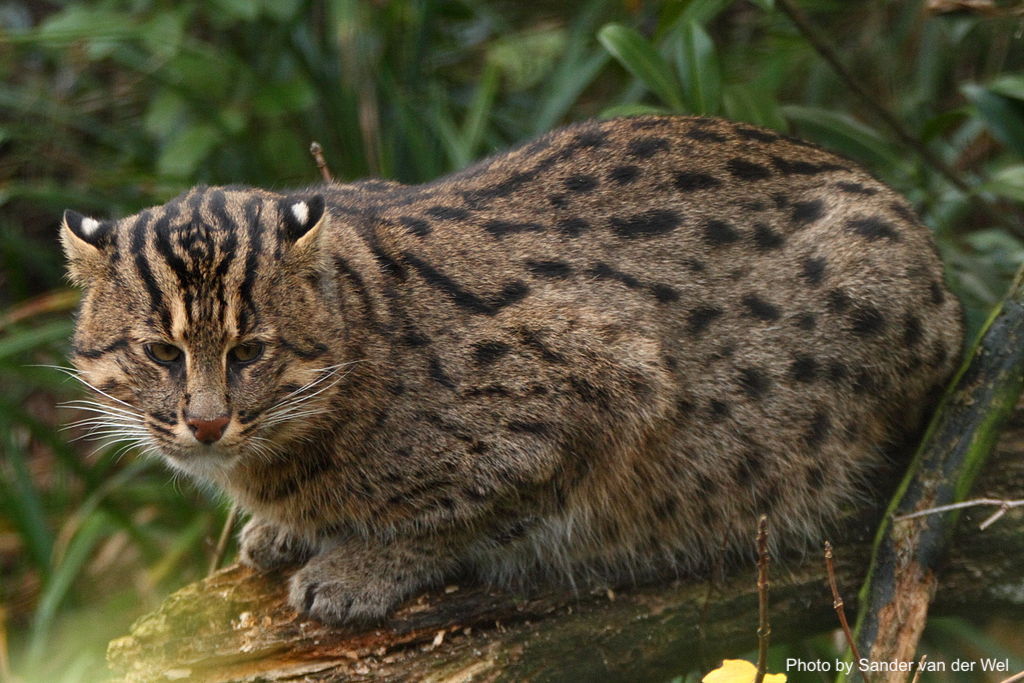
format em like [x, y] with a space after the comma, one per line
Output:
[601, 354]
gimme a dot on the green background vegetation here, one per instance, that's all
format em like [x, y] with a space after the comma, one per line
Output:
[107, 106]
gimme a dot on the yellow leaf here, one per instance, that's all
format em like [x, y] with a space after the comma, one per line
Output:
[739, 671]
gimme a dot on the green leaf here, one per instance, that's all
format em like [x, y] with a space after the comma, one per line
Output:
[699, 72]
[94, 530]
[30, 338]
[239, 10]
[283, 97]
[640, 58]
[183, 153]
[167, 112]
[280, 10]
[631, 109]
[164, 32]
[842, 133]
[753, 105]
[1003, 115]
[1007, 182]
[766, 5]
[1008, 85]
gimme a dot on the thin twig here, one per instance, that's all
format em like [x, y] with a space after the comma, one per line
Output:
[920, 665]
[837, 602]
[764, 630]
[318, 155]
[5, 662]
[1014, 678]
[818, 42]
[1003, 505]
[222, 542]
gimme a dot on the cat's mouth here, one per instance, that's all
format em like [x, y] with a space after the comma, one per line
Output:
[207, 461]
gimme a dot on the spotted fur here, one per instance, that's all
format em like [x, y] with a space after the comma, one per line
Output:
[600, 355]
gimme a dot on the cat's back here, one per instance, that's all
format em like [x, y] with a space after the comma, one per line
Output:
[704, 230]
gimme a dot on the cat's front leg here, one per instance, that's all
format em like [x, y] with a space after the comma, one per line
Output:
[266, 546]
[360, 580]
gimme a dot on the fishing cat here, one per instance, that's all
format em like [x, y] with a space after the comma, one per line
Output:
[600, 355]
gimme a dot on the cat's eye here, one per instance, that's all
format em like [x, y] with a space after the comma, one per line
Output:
[165, 354]
[246, 353]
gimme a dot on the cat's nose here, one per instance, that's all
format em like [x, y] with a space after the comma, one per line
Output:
[207, 431]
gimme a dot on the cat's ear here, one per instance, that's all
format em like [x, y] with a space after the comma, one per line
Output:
[84, 239]
[302, 218]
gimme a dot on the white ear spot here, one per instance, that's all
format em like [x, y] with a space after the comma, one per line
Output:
[301, 212]
[89, 226]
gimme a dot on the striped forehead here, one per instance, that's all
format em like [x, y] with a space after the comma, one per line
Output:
[197, 257]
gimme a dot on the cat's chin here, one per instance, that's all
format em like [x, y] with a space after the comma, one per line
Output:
[211, 463]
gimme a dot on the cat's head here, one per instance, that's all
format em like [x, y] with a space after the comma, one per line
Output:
[203, 328]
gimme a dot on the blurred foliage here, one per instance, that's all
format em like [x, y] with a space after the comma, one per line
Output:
[107, 106]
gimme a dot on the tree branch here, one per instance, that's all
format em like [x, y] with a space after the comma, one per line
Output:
[903, 574]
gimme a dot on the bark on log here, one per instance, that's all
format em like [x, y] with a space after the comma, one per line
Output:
[903, 577]
[235, 625]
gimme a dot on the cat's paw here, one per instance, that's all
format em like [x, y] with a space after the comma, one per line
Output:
[341, 586]
[265, 546]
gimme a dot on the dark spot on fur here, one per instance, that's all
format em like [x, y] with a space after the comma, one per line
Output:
[873, 229]
[903, 211]
[912, 332]
[747, 170]
[718, 233]
[551, 269]
[416, 226]
[807, 212]
[753, 382]
[805, 321]
[705, 135]
[623, 175]
[866, 321]
[572, 227]
[939, 355]
[646, 224]
[689, 181]
[664, 293]
[558, 201]
[699, 318]
[438, 374]
[856, 188]
[414, 338]
[804, 368]
[837, 371]
[580, 183]
[487, 352]
[587, 391]
[813, 270]
[766, 239]
[864, 382]
[937, 295]
[755, 134]
[802, 167]
[837, 301]
[449, 213]
[759, 308]
[531, 339]
[719, 410]
[647, 147]
[819, 429]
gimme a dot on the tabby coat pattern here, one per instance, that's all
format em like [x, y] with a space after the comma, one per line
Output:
[598, 356]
